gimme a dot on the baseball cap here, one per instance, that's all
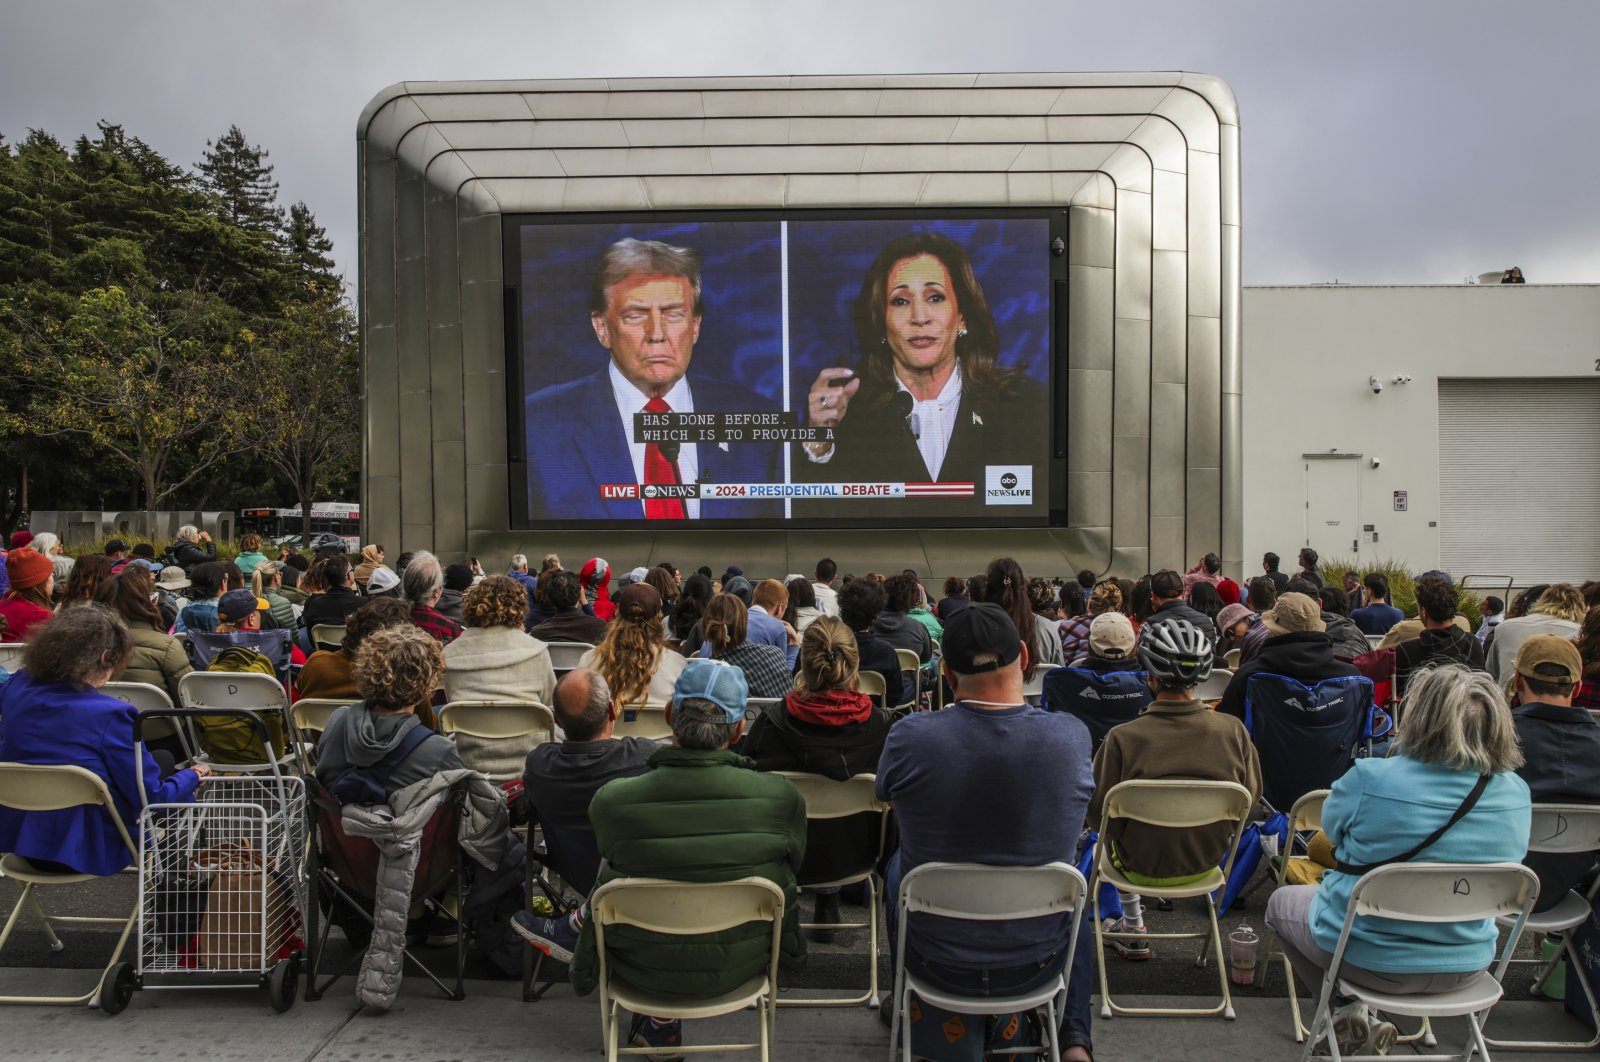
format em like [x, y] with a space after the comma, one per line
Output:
[981, 628]
[1111, 636]
[711, 680]
[1549, 658]
[116, 545]
[235, 605]
[1293, 614]
[380, 580]
[638, 601]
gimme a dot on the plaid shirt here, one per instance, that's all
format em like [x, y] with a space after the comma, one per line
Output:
[1075, 637]
[1588, 696]
[765, 668]
[438, 626]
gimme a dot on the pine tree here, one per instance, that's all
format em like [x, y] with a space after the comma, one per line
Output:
[309, 250]
[238, 174]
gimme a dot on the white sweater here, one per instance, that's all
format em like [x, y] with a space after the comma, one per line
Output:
[497, 664]
[665, 676]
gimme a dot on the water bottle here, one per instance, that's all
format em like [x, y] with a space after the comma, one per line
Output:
[1242, 946]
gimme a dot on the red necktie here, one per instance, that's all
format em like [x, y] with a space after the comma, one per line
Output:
[658, 470]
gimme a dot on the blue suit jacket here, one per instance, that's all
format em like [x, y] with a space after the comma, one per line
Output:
[576, 442]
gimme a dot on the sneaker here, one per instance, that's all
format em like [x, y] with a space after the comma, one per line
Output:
[826, 911]
[1381, 1036]
[647, 1032]
[442, 930]
[1352, 1025]
[1135, 949]
[556, 937]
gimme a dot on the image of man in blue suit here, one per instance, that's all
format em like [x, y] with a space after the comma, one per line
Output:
[645, 306]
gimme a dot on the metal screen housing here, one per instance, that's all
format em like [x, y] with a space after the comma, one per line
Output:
[1146, 164]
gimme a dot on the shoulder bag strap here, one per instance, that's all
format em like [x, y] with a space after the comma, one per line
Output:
[1356, 870]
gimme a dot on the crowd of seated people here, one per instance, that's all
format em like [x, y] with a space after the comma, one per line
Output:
[994, 777]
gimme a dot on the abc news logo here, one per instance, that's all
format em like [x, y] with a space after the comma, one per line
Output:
[1008, 485]
[649, 491]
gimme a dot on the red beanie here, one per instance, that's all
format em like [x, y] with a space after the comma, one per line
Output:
[20, 539]
[28, 568]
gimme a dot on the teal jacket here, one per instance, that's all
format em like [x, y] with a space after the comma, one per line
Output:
[696, 816]
[1383, 808]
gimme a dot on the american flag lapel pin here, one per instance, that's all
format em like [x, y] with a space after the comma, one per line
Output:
[977, 420]
[723, 447]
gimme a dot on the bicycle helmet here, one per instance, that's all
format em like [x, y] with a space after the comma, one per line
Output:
[1175, 652]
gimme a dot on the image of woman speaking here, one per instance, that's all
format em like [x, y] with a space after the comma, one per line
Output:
[927, 401]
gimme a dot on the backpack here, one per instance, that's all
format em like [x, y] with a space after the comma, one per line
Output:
[230, 738]
[364, 785]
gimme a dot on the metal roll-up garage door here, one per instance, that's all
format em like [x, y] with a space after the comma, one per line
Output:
[1519, 479]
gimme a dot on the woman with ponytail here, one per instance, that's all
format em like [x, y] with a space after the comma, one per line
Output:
[727, 629]
[266, 582]
[825, 726]
[633, 657]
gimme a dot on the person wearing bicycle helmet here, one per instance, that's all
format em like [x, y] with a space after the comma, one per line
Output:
[1176, 737]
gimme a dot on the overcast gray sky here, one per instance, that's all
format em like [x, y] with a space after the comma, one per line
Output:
[1405, 141]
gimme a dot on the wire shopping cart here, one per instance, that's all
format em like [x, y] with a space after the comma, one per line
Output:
[222, 886]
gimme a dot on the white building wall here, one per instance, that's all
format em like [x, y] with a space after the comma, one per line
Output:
[1308, 355]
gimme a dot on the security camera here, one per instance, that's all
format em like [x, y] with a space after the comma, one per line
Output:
[1376, 461]
[1376, 385]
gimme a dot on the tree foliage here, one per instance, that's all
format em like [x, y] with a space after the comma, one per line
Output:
[139, 301]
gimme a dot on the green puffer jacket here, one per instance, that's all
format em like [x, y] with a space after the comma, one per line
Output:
[696, 816]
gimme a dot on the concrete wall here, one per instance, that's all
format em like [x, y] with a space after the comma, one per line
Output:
[1308, 356]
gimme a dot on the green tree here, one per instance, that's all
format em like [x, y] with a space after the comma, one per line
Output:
[238, 174]
[306, 426]
[151, 383]
[308, 250]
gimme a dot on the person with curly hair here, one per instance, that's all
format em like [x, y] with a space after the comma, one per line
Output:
[394, 668]
[1105, 597]
[633, 657]
[494, 660]
[52, 712]
[330, 675]
[895, 624]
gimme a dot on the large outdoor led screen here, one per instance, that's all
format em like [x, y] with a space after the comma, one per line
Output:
[807, 370]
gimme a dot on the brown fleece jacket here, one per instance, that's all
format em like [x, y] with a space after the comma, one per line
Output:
[1173, 739]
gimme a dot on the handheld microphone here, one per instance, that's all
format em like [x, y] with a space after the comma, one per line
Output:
[905, 406]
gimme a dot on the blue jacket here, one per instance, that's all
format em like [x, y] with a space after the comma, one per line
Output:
[572, 450]
[50, 723]
[1383, 808]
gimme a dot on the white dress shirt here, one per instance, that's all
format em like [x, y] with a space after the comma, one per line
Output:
[631, 401]
[933, 420]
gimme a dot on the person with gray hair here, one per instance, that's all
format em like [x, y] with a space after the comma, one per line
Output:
[192, 546]
[700, 813]
[421, 586]
[1447, 793]
[519, 572]
[645, 308]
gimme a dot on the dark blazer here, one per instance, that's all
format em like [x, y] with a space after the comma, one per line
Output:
[1008, 425]
[576, 442]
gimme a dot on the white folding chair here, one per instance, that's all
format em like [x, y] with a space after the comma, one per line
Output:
[1215, 685]
[1177, 804]
[260, 694]
[31, 788]
[828, 800]
[1033, 686]
[871, 683]
[497, 727]
[642, 721]
[564, 656]
[11, 655]
[148, 698]
[328, 636]
[1305, 817]
[1231, 658]
[978, 893]
[910, 661]
[1561, 828]
[1374, 640]
[1436, 893]
[310, 716]
[686, 909]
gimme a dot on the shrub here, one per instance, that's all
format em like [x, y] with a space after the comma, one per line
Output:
[1402, 584]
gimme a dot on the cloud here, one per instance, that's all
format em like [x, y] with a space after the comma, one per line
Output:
[1415, 142]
